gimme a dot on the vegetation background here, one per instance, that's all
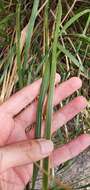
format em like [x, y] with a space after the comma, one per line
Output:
[14, 74]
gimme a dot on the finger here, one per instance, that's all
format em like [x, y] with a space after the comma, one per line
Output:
[68, 112]
[24, 97]
[25, 152]
[6, 127]
[71, 149]
[66, 89]
[28, 116]
[62, 116]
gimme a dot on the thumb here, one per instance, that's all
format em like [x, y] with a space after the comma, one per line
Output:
[25, 152]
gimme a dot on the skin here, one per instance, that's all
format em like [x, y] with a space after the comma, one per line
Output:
[19, 150]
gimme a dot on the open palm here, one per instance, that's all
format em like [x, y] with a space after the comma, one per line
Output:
[17, 114]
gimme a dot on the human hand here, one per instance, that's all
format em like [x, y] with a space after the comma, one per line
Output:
[18, 151]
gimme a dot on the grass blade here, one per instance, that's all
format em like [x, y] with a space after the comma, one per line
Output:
[82, 37]
[73, 19]
[18, 54]
[26, 50]
[84, 32]
[71, 57]
[30, 32]
[43, 90]
[51, 91]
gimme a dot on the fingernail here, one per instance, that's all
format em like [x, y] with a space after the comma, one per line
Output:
[46, 146]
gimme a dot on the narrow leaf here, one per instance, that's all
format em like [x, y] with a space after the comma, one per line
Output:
[18, 55]
[71, 57]
[51, 91]
[73, 19]
[30, 32]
